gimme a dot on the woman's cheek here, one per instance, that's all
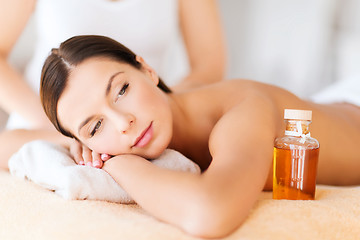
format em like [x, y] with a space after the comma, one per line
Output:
[107, 142]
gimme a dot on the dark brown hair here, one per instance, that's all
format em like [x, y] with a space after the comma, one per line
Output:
[57, 67]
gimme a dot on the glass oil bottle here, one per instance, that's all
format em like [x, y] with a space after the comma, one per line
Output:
[295, 158]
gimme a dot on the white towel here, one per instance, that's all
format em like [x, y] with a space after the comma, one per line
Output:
[347, 90]
[51, 167]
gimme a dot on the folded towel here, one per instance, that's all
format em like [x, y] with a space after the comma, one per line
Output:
[347, 90]
[51, 167]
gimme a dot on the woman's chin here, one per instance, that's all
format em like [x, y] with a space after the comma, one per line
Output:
[155, 152]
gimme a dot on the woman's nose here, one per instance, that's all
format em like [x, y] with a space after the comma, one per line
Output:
[121, 121]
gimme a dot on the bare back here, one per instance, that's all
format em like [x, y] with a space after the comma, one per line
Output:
[336, 126]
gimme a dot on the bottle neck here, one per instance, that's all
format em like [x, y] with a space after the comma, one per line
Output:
[297, 128]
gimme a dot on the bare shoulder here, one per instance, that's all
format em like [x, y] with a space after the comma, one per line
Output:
[230, 93]
[238, 84]
[240, 88]
[233, 100]
[235, 88]
[252, 119]
[241, 145]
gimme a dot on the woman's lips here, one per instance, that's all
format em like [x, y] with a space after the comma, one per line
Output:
[144, 137]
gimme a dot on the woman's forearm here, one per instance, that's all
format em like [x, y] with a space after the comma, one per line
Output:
[206, 48]
[188, 201]
[12, 140]
[17, 96]
[154, 188]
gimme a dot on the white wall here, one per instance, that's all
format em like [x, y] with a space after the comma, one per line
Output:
[286, 43]
[293, 44]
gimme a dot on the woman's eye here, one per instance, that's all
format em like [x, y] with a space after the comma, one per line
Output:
[97, 126]
[123, 90]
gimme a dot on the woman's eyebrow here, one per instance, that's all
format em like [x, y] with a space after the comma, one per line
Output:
[84, 123]
[107, 91]
[108, 87]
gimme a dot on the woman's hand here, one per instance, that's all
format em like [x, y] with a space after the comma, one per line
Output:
[84, 156]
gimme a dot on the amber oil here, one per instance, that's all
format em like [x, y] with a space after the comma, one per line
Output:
[295, 159]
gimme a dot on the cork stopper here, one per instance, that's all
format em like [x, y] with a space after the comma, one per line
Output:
[296, 114]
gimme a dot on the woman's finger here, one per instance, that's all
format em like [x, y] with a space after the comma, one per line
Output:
[76, 152]
[87, 156]
[96, 160]
[105, 156]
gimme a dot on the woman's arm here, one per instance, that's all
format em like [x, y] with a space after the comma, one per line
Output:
[12, 140]
[15, 94]
[203, 36]
[215, 203]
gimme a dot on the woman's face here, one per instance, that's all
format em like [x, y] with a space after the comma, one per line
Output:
[115, 108]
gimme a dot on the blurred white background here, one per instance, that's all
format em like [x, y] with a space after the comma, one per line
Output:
[301, 45]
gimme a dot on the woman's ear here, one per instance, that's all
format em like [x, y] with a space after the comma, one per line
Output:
[149, 70]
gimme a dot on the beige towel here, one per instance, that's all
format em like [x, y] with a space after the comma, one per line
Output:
[28, 211]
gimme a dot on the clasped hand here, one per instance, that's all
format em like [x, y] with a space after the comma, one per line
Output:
[84, 156]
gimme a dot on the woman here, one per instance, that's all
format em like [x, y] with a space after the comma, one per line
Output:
[155, 29]
[97, 91]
